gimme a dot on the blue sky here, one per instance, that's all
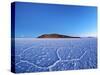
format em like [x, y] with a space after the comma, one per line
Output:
[32, 20]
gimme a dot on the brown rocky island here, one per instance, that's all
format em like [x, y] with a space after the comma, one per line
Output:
[55, 36]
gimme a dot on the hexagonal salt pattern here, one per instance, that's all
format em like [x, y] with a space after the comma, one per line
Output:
[38, 55]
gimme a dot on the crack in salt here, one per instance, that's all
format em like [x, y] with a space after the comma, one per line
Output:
[66, 60]
[83, 55]
[50, 67]
[31, 64]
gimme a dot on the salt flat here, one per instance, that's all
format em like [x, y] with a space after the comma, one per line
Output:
[38, 55]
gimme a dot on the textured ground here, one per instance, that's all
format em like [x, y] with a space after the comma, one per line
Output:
[38, 55]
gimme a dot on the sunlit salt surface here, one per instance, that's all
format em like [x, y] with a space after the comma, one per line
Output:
[39, 55]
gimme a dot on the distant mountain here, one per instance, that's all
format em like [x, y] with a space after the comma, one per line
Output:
[55, 36]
